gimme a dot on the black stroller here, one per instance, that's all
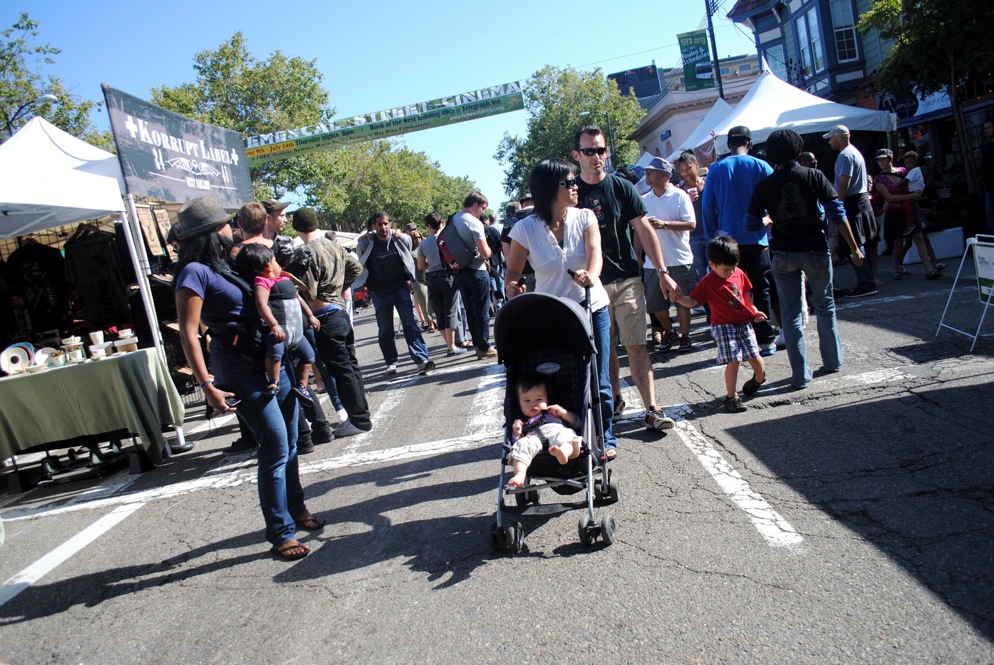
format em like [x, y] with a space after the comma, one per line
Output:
[552, 336]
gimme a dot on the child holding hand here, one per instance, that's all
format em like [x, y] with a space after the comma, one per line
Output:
[726, 290]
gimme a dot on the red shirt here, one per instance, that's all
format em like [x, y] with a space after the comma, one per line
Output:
[726, 297]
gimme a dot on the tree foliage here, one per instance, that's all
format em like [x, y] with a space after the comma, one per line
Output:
[935, 41]
[555, 98]
[22, 80]
[235, 90]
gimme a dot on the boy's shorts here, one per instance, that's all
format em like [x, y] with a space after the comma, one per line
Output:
[654, 301]
[736, 342]
[626, 307]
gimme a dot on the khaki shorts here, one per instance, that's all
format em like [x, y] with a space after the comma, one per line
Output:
[627, 311]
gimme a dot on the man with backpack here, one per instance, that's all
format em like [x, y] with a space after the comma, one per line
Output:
[473, 278]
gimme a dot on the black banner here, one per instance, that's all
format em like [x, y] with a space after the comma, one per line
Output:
[173, 158]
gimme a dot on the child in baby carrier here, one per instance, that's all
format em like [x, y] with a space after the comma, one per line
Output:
[277, 301]
[544, 424]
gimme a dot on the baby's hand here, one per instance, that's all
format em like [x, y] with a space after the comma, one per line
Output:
[557, 411]
[278, 334]
[760, 316]
[516, 428]
[315, 323]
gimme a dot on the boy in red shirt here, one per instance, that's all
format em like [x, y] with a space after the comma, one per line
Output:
[727, 291]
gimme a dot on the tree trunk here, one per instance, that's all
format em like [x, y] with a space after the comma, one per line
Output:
[969, 164]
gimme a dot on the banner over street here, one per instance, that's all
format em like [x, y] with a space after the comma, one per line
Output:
[174, 158]
[382, 124]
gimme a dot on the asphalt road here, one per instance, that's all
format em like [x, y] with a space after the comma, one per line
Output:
[849, 522]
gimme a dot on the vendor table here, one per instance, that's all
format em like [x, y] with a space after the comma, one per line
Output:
[126, 391]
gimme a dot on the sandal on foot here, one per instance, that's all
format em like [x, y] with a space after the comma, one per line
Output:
[291, 550]
[272, 390]
[610, 454]
[935, 274]
[310, 522]
[751, 386]
[898, 276]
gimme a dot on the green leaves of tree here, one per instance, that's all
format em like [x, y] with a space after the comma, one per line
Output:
[554, 99]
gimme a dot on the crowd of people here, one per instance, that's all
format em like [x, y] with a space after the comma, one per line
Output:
[750, 243]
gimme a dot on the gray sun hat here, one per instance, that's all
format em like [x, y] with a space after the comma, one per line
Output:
[201, 215]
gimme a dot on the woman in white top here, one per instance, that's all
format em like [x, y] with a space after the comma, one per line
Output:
[555, 238]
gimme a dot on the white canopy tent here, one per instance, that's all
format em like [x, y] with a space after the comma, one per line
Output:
[702, 135]
[772, 104]
[50, 178]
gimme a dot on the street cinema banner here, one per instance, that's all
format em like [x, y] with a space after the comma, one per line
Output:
[697, 71]
[382, 124]
[174, 158]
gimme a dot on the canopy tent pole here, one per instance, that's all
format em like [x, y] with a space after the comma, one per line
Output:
[133, 233]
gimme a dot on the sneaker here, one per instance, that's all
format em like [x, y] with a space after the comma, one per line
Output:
[489, 353]
[425, 367]
[347, 429]
[391, 369]
[303, 395]
[665, 342]
[780, 342]
[658, 420]
[305, 447]
[456, 351]
[685, 344]
[734, 405]
[767, 350]
[185, 447]
[619, 407]
[864, 290]
[842, 293]
[343, 415]
[751, 386]
[239, 446]
[322, 434]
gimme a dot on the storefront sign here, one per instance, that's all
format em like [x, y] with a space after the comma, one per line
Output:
[382, 124]
[698, 73]
[173, 158]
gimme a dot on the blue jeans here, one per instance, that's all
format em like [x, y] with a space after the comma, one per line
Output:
[273, 422]
[817, 267]
[602, 340]
[384, 302]
[699, 247]
[474, 285]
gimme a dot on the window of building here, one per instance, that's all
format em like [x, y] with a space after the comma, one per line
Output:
[724, 70]
[809, 42]
[744, 68]
[775, 59]
[845, 30]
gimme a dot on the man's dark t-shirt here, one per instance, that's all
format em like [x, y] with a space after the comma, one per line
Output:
[615, 203]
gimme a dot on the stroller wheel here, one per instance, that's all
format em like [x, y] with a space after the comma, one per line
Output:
[493, 537]
[608, 529]
[514, 538]
[613, 494]
[585, 528]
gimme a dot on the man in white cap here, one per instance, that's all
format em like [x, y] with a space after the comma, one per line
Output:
[671, 214]
[851, 186]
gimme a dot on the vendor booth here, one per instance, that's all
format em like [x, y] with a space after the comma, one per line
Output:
[772, 104]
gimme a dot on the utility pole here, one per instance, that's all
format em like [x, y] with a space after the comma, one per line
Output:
[710, 7]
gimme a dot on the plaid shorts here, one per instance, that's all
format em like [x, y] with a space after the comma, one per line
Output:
[736, 342]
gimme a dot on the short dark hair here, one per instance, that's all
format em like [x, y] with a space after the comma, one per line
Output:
[738, 140]
[528, 380]
[723, 251]
[511, 208]
[589, 130]
[544, 183]
[252, 259]
[474, 198]
[688, 156]
[375, 217]
[433, 220]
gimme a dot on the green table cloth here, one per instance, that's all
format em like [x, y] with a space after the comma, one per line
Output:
[131, 391]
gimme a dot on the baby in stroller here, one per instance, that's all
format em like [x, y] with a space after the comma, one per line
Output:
[545, 424]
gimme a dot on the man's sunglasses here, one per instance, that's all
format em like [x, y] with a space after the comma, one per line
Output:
[590, 152]
[568, 183]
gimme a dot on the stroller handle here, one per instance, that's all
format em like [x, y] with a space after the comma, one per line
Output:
[586, 289]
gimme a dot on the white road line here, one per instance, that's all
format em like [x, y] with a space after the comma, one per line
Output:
[771, 526]
[488, 403]
[60, 554]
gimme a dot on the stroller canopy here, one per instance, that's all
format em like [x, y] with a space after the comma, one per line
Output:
[535, 322]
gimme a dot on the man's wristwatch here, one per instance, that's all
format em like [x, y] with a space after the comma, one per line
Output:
[662, 271]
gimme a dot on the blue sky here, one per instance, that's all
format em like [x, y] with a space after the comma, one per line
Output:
[376, 55]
